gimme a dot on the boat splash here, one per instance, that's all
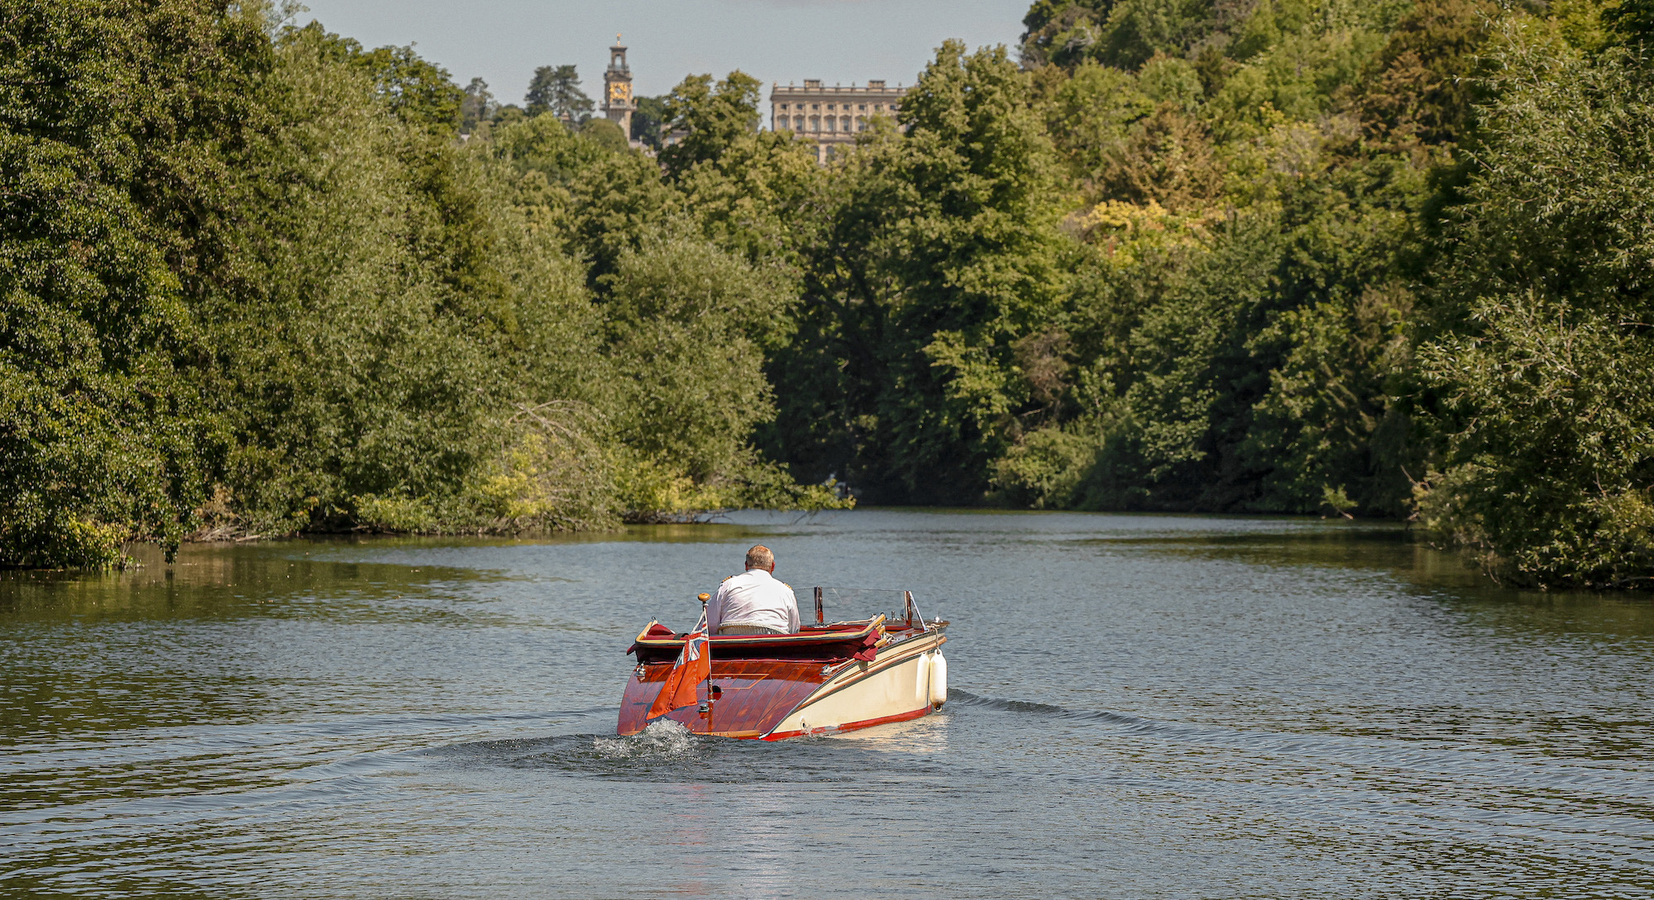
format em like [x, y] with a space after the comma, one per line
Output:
[661, 739]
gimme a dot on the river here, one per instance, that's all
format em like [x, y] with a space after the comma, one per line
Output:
[1141, 707]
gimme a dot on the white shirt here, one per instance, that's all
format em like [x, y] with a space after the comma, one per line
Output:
[753, 598]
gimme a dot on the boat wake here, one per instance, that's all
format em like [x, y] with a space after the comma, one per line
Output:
[666, 751]
[1456, 766]
[966, 698]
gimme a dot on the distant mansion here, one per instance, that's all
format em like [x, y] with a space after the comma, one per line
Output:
[830, 117]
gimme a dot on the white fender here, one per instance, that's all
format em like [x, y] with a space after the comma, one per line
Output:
[921, 683]
[938, 679]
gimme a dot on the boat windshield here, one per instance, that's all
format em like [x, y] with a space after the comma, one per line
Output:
[839, 604]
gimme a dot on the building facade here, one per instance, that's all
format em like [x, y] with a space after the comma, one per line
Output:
[618, 103]
[831, 117]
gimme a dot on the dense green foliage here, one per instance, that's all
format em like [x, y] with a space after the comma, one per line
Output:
[1149, 277]
[1543, 351]
[1384, 259]
[1282, 256]
[111, 191]
[252, 284]
[1295, 256]
[940, 251]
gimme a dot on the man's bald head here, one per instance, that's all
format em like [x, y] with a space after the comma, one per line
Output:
[760, 557]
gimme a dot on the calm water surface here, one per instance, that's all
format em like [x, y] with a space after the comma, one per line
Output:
[1142, 707]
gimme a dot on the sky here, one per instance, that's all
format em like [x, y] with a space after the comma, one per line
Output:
[838, 41]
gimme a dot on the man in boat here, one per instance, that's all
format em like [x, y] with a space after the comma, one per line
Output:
[753, 602]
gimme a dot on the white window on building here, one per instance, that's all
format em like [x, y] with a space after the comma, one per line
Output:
[845, 122]
[798, 123]
[861, 123]
[815, 123]
[830, 122]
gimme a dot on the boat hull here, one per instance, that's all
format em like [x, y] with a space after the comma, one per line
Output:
[773, 699]
[894, 687]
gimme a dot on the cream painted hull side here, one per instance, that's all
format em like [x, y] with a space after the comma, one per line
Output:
[889, 689]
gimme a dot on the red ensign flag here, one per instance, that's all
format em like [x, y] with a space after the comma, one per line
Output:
[693, 666]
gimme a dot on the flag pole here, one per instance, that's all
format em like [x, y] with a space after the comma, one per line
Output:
[689, 662]
[711, 701]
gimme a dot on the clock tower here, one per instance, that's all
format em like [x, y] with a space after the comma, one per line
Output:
[618, 104]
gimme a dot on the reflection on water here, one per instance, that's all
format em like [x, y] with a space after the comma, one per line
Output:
[1143, 706]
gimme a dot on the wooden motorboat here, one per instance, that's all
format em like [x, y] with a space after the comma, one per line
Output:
[827, 678]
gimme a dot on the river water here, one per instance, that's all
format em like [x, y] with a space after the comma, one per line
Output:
[1141, 707]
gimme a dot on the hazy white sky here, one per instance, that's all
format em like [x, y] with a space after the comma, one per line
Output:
[773, 40]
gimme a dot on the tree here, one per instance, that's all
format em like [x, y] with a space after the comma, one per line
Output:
[1536, 365]
[1631, 19]
[249, 281]
[508, 114]
[748, 200]
[110, 218]
[418, 91]
[557, 91]
[647, 120]
[1422, 84]
[1060, 31]
[375, 398]
[477, 107]
[940, 251]
[689, 325]
[712, 117]
[605, 133]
